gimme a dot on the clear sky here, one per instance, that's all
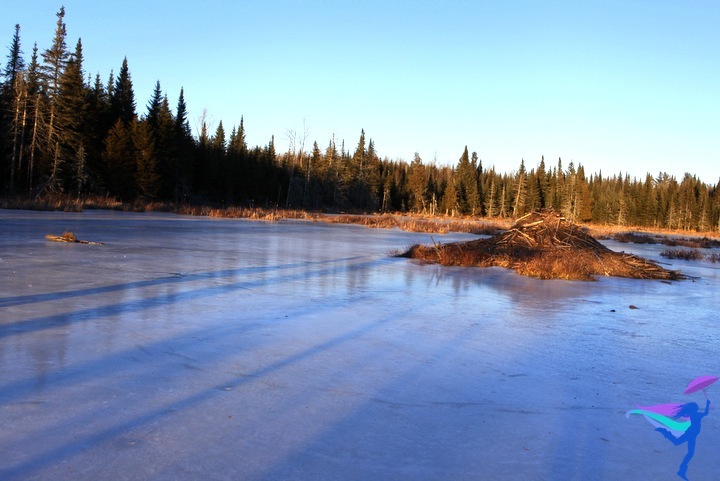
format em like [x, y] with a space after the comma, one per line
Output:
[625, 85]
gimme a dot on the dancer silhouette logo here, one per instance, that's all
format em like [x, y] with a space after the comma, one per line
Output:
[680, 423]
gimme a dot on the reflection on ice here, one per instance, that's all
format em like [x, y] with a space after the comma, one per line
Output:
[189, 348]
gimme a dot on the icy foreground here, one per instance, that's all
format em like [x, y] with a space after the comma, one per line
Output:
[190, 348]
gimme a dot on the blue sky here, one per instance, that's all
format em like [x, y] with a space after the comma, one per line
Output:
[628, 85]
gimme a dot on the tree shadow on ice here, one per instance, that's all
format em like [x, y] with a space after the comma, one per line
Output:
[141, 304]
[174, 278]
[90, 370]
[430, 417]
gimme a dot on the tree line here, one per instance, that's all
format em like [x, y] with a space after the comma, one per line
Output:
[63, 132]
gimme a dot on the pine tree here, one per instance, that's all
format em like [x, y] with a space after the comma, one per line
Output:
[520, 191]
[15, 64]
[36, 119]
[569, 194]
[147, 179]
[543, 183]
[13, 112]
[418, 183]
[217, 164]
[97, 124]
[122, 96]
[185, 150]
[118, 158]
[532, 200]
[622, 210]
[54, 62]
[71, 107]
[583, 197]
[557, 187]
[466, 184]
[490, 200]
[55, 58]
[449, 199]
[163, 132]
[153, 108]
[478, 201]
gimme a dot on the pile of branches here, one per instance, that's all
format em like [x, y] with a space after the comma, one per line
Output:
[69, 237]
[543, 244]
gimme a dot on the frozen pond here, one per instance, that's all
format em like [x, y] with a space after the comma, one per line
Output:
[190, 348]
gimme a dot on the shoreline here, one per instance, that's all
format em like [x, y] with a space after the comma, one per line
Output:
[410, 222]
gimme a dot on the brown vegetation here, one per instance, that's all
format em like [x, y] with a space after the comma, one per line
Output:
[70, 238]
[544, 245]
[668, 240]
[684, 254]
[435, 225]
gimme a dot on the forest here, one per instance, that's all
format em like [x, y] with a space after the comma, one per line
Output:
[65, 133]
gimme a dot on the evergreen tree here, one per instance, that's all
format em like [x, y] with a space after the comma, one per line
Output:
[217, 165]
[491, 197]
[533, 198]
[543, 183]
[147, 179]
[153, 108]
[13, 113]
[15, 62]
[569, 193]
[54, 62]
[71, 105]
[449, 199]
[163, 132]
[583, 197]
[184, 150]
[466, 185]
[520, 191]
[418, 184]
[122, 96]
[55, 58]
[97, 124]
[119, 162]
[36, 120]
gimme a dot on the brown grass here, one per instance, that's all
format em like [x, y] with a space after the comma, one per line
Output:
[687, 255]
[656, 235]
[437, 225]
[634, 238]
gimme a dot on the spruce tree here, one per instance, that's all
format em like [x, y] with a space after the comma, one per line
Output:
[417, 184]
[71, 106]
[119, 162]
[147, 179]
[543, 183]
[185, 151]
[153, 108]
[13, 113]
[54, 62]
[520, 188]
[15, 61]
[122, 97]
[466, 185]
[166, 150]
[36, 121]
[97, 125]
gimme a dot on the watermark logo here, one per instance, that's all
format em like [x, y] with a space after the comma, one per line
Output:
[680, 423]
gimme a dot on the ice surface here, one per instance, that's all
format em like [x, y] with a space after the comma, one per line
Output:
[193, 348]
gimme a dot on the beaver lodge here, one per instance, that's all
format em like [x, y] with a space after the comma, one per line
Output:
[543, 244]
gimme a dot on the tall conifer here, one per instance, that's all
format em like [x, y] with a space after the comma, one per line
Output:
[122, 98]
